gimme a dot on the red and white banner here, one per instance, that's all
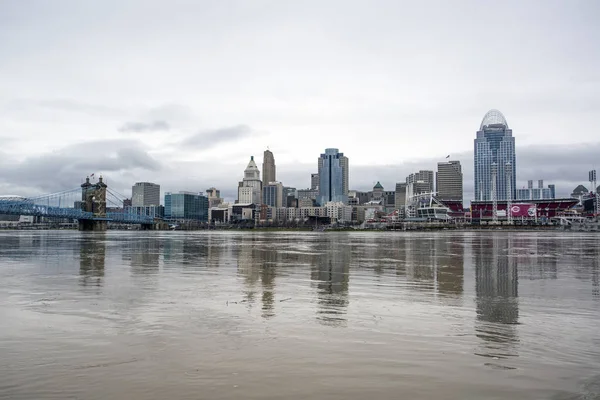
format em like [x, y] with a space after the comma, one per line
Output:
[527, 210]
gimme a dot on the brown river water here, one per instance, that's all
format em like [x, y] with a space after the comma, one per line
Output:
[290, 315]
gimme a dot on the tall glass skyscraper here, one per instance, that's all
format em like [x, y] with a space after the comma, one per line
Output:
[494, 144]
[333, 177]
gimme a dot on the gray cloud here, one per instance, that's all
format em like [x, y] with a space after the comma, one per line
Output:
[64, 169]
[62, 105]
[211, 138]
[139, 127]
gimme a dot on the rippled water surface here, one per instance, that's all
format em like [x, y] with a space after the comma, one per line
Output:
[169, 315]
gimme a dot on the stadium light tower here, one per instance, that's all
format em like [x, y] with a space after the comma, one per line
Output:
[494, 195]
[509, 191]
[592, 175]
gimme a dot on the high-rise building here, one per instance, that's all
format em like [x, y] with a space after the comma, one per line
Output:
[494, 144]
[400, 196]
[289, 196]
[250, 188]
[214, 197]
[273, 194]
[144, 194]
[424, 178]
[345, 174]
[307, 194]
[552, 191]
[333, 177]
[449, 181]
[539, 193]
[186, 206]
[314, 181]
[268, 168]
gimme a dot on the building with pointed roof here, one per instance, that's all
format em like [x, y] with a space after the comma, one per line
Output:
[250, 188]
[377, 193]
[579, 191]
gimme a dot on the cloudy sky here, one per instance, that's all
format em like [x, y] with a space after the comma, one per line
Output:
[182, 93]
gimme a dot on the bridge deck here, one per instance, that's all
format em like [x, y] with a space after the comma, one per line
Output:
[28, 207]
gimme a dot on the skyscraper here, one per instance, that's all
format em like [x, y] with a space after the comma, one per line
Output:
[145, 194]
[449, 181]
[268, 168]
[314, 181]
[333, 177]
[494, 144]
[345, 172]
[250, 188]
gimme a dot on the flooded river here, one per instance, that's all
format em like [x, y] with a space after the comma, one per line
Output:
[251, 315]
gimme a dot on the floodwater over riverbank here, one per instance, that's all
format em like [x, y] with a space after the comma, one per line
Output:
[296, 315]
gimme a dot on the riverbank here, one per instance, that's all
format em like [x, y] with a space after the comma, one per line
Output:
[421, 228]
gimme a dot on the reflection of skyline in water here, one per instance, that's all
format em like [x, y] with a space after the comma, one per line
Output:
[363, 309]
[496, 289]
[92, 256]
[431, 265]
[330, 274]
[256, 263]
[143, 255]
[425, 264]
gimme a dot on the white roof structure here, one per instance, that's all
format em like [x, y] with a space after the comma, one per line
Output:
[493, 117]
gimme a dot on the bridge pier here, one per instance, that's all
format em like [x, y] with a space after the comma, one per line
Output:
[92, 225]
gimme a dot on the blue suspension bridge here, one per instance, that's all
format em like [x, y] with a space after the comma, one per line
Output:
[93, 205]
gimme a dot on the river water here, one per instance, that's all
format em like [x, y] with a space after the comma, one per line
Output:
[251, 315]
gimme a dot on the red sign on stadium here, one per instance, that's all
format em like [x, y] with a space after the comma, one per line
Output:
[527, 210]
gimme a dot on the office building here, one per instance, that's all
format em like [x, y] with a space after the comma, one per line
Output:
[333, 177]
[311, 194]
[400, 195]
[552, 191]
[273, 194]
[425, 180]
[250, 188]
[289, 196]
[494, 144]
[214, 197]
[314, 181]
[358, 197]
[538, 193]
[345, 174]
[186, 206]
[145, 194]
[449, 181]
[377, 193]
[268, 168]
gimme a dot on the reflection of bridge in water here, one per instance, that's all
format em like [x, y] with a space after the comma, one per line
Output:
[93, 205]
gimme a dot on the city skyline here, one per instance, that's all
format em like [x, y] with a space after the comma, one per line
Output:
[381, 93]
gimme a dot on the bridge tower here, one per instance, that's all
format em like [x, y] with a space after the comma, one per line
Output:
[93, 199]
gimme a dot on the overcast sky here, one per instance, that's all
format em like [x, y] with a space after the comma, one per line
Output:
[182, 93]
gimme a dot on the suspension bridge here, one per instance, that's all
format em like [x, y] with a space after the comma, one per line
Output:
[93, 205]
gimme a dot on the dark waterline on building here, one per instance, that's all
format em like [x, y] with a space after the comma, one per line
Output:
[255, 315]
